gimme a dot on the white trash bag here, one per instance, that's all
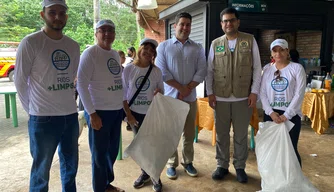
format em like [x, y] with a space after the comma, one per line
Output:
[159, 134]
[277, 162]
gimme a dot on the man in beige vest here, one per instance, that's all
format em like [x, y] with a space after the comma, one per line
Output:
[233, 83]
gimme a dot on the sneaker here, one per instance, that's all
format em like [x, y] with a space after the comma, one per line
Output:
[219, 173]
[190, 169]
[157, 186]
[142, 179]
[171, 173]
[241, 176]
[111, 188]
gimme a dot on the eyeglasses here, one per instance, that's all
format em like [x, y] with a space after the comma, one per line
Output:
[229, 20]
[106, 31]
[278, 75]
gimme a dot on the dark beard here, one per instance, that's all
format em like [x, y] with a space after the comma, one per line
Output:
[50, 25]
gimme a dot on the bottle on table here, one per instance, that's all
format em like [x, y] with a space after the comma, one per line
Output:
[328, 82]
[308, 88]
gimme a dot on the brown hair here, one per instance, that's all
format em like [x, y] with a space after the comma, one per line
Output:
[140, 49]
[182, 15]
[121, 53]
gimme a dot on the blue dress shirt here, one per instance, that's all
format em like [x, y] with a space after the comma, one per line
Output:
[183, 63]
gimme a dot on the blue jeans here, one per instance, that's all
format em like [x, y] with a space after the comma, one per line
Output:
[46, 133]
[104, 144]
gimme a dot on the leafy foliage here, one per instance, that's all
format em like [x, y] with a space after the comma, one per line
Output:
[15, 33]
[125, 21]
[83, 34]
[19, 18]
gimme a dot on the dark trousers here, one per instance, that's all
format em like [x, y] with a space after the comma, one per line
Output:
[140, 118]
[294, 132]
[104, 144]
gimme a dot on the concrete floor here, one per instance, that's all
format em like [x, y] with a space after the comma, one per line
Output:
[15, 162]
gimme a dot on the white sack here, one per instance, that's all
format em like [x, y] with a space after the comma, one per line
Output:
[277, 162]
[159, 135]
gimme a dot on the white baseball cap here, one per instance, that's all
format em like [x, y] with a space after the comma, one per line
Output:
[105, 22]
[279, 42]
[148, 40]
[49, 3]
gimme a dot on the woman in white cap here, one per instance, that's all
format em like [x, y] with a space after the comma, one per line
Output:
[282, 90]
[133, 76]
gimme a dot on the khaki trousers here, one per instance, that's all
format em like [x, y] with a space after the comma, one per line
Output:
[238, 113]
[188, 137]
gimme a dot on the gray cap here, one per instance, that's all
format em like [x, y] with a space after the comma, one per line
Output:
[105, 22]
[148, 40]
[49, 3]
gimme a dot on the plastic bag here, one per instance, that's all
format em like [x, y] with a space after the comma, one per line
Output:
[159, 134]
[277, 162]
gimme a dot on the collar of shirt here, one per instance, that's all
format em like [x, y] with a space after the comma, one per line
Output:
[176, 40]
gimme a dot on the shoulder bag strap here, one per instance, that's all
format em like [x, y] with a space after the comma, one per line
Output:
[141, 85]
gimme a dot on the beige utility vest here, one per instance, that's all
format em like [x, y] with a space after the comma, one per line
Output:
[233, 71]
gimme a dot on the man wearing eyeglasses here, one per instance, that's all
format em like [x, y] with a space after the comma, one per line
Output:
[46, 66]
[232, 84]
[100, 89]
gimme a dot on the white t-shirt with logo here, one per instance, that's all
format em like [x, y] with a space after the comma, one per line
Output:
[44, 74]
[100, 79]
[285, 93]
[132, 78]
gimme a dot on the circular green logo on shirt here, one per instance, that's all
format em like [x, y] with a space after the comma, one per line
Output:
[113, 66]
[60, 59]
[140, 80]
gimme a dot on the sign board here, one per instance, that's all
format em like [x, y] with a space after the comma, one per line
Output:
[249, 5]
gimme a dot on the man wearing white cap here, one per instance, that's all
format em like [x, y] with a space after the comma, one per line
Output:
[232, 85]
[46, 66]
[100, 88]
